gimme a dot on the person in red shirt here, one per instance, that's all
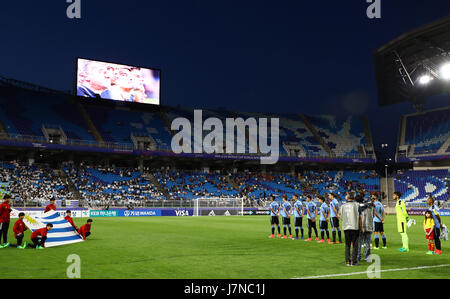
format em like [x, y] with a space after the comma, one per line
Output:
[85, 230]
[51, 206]
[5, 211]
[18, 229]
[40, 235]
[70, 220]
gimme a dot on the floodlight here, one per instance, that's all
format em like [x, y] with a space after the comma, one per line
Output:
[425, 79]
[445, 71]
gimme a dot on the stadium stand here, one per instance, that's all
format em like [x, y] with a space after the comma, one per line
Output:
[295, 138]
[112, 186]
[261, 186]
[425, 133]
[188, 185]
[343, 135]
[418, 185]
[32, 183]
[35, 113]
[25, 112]
[38, 115]
[118, 125]
[188, 114]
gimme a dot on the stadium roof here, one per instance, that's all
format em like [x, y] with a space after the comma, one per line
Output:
[408, 67]
[25, 85]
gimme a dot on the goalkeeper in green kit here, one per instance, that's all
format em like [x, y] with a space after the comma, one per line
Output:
[402, 220]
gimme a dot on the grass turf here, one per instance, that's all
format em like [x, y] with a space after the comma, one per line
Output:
[211, 248]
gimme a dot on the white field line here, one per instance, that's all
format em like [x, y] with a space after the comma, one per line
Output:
[373, 272]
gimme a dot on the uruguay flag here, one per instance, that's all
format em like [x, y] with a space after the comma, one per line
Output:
[62, 233]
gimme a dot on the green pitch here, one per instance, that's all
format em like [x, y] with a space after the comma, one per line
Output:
[212, 248]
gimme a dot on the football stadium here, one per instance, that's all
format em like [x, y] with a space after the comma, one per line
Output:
[110, 180]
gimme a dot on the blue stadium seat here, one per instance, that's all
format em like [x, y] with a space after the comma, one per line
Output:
[24, 112]
[98, 183]
[117, 125]
[417, 186]
[342, 134]
[428, 131]
[188, 185]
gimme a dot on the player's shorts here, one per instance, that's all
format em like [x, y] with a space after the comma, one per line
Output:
[311, 223]
[274, 220]
[334, 222]
[286, 220]
[323, 225]
[379, 227]
[403, 229]
[299, 221]
[431, 236]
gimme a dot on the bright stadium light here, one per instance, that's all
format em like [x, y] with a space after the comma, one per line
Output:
[445, 71]
[425, 79]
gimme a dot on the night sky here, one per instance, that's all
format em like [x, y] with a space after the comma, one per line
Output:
[284, 56]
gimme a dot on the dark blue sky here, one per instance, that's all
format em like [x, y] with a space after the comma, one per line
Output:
[283, 56]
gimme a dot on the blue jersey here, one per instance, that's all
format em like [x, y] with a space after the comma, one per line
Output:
[379, 208]
[324, 211]
[334, 203]
[286, 209]
[298, 205]
[311, 207]
[435, 212]
[274, 206]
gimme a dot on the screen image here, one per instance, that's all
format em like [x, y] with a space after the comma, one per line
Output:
[97, 79]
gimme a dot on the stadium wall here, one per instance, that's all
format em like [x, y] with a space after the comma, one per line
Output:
[416, 211]
[180, 212]
[421, 212]
[140, 212]
[134, 152]
[76, 213]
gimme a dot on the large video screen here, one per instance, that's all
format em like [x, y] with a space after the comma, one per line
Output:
[97, 79]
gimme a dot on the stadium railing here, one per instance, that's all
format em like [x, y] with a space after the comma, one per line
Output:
[90, 143]
[130, 146]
